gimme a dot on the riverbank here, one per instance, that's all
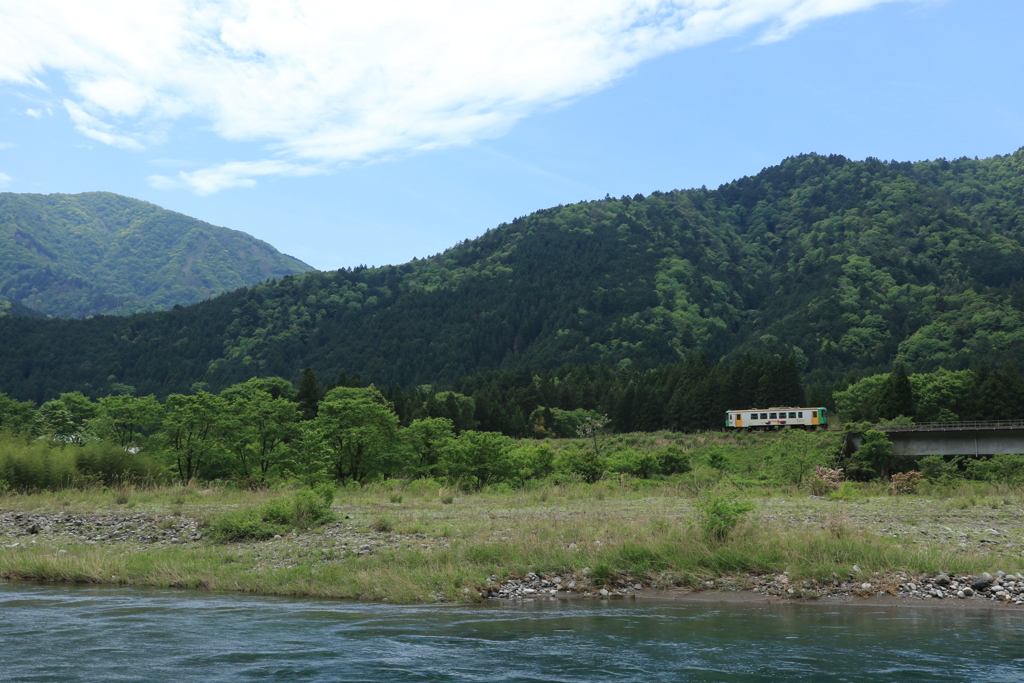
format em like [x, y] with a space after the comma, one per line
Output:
[409, 545]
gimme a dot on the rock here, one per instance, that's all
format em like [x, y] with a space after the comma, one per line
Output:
[856, 569]
[865, 586]
[962, 594]
[529, 591]
[604, 592]
[1000, 574]
[982, 582]
[942, 580]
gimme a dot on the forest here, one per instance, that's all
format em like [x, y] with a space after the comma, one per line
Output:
[843, 266]
[78, 255]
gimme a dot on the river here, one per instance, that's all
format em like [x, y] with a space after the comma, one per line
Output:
[72, 633]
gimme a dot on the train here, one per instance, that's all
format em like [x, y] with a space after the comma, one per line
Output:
[777, 418]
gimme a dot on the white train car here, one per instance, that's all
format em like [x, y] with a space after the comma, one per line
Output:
[777, 418]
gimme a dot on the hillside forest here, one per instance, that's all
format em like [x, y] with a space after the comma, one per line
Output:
[844, 266]
[78, 255]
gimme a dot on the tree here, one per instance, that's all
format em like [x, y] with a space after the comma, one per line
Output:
[66, 418]
[426, 439]
[359, 431]
[126, 419]
[876, 450]
[476, 459]
[257, 427]
[897, 396]
[191, 431]
[308, 396]
[17, 417]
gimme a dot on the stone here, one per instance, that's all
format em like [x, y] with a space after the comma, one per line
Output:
[604, 592]
[942, 580]
[981, 583]
[856, 569]
[961, 594]
[865, 586]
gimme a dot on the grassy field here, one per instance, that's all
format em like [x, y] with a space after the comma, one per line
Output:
[420, 542]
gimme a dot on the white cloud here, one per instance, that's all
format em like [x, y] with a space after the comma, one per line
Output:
[5, 180]
[322, 83]
[232, 174]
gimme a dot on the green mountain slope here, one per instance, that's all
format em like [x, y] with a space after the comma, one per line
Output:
[98, 252]
[846, 265]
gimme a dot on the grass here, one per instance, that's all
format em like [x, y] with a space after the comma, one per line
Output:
[427, 549]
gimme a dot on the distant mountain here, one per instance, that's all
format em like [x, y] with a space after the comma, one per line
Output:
[843, 265]
[76, 255]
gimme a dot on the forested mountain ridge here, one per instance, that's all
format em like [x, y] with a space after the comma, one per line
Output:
[98, 252]
[846, 265]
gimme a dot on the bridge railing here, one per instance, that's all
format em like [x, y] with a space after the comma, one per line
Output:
[951, 426]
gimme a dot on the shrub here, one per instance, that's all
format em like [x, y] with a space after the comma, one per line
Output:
[305, 509]
[1006, 468]
[719, 515]
[586, 463]
[643, 464]
[935, 469]
[383, 525]
[904, 483]
[243, 525]
[308, 509]
[395, 497]
[326, 492]
[673, 460]
[824, 481]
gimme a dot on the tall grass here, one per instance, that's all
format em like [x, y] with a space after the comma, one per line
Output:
[35, 465]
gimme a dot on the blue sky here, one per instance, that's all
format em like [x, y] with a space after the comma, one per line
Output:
[371, 139]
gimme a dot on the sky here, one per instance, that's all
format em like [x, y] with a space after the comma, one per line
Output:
[350, 135]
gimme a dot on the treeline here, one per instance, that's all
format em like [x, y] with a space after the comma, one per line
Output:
[266, 428]
[940, 396]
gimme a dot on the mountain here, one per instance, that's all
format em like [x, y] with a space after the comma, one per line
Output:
[843, 265]
[76, 255]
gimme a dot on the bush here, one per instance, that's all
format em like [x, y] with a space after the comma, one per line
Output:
[1007, 468]
[586, 463]
[532, 461]
[673, 460]
[643, 464]
[719, 515]
[824, 481]
[935, 469]
[326, 492]
[305, 509]
[904, 483]
[244, 525]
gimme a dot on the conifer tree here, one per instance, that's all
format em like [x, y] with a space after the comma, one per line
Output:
[309, 394]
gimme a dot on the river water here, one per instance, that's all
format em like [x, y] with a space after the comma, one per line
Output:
[68, 633]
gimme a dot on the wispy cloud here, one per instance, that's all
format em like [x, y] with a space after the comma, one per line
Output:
[5, 180]
[324, 83]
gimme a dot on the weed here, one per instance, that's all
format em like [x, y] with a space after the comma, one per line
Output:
[719, 515]
[395, 498]
[383, 525]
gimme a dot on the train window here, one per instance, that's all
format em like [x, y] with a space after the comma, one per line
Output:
[753, 416]
[764, 416]
[792, 415]
[773, 416]
[801, 414]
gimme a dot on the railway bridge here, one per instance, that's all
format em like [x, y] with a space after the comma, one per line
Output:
[954, 438]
